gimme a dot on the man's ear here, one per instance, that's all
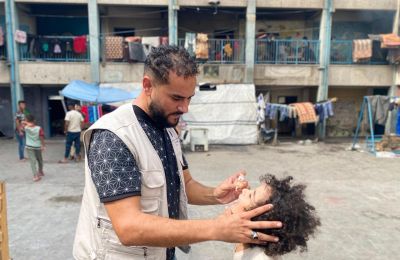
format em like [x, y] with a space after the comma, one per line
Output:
[147, 85]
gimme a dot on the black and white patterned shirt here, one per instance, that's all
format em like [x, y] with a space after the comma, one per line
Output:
[114, 170]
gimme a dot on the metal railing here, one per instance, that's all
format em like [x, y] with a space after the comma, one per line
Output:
[230, 51]
[55, 48]
[287, 51]
[342, 53]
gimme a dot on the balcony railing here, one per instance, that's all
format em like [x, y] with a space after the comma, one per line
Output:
[222, 51]
[287, 51]
[342, 53]
[55, 48]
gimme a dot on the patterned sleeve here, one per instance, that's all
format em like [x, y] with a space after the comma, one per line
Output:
[114, 170]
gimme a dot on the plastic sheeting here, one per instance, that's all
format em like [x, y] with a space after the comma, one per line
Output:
[229, 113]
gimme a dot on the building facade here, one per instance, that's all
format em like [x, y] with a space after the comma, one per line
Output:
[292, 49]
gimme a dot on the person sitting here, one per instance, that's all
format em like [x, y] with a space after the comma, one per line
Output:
[299, 218]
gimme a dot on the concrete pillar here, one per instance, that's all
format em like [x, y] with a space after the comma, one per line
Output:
[173, 22]
[392, 117]
[94, 40]
[324, 57]
[250, 40]
[17, 92]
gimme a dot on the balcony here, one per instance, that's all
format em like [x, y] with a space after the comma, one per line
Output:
[55, 49]
[342, 53]
[287, 51]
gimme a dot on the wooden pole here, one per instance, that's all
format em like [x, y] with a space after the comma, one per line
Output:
[4, 250]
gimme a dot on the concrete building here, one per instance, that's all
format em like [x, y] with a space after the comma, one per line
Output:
[295, 50]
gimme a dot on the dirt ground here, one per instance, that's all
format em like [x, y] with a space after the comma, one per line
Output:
[356, 195]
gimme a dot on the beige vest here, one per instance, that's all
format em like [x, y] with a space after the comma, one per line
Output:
[95, 237]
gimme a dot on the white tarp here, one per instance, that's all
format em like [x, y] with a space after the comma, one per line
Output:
[229, 113]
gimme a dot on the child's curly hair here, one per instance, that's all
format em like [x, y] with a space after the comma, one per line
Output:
[298, 217]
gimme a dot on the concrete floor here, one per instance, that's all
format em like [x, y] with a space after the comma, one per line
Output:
[357, 197]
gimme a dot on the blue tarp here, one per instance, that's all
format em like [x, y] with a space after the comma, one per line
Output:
[88, 92]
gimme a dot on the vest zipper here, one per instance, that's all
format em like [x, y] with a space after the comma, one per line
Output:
[98, 222]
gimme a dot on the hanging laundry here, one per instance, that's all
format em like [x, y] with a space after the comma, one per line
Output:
[260, 109]
[324, 110]
[79, 44]
[202, 46]
[380, 108]
[393, 56]
[133, 39]
[150, 42]
[190, 43]
[390, 40]
[20, 36]
[1, 36]
[228, 50]
[136, 52]
[398, 122]
[362, 50]
[305, 112]
[57, 48]
[85, 112]
[114, 47]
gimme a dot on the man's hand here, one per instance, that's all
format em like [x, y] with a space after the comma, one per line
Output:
[237, 228]
[226, 192]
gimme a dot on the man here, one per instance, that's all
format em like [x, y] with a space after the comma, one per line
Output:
[137, 181]
[72, 128]
[19, 128]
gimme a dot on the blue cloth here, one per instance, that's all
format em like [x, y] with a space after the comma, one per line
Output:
[284, 113]
[398, 122]
[21, 145]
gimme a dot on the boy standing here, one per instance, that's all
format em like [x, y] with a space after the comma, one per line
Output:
[34, 146]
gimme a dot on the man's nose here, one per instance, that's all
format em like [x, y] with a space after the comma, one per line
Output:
[183, 107]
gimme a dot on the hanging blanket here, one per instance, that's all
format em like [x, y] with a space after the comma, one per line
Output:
[114, 47]
[390, 41]
[362, 50]
[202, 46]
[305, 112]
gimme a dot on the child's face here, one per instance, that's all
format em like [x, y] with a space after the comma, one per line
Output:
[250, 199]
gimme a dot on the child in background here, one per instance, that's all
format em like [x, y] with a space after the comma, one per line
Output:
[34, 146]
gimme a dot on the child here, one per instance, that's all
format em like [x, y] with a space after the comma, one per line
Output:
[34, 146]
[299, 218]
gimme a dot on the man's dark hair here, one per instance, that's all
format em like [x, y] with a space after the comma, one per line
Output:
[21, 102]
[298, 217]
[165, 59]
[30, 118]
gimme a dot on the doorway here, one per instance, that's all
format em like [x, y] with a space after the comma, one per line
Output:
[56, 116]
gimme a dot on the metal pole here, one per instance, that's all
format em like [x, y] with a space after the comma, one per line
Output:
[12, 54]
[93, 13]
[250, 40]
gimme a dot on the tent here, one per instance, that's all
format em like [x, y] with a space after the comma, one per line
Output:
[88, 92]
[228, 111]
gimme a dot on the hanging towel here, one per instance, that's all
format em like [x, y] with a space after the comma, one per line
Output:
[20, 36]
[305, 112]
[136, 52]
[79, 44]
[362, 50]
[201, 46]
[190, 43]
[114, 47]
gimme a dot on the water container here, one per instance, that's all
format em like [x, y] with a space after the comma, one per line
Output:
[199, 139]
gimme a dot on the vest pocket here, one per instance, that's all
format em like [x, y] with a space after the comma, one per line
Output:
[152, 183]
[150, 205]
[138, 253]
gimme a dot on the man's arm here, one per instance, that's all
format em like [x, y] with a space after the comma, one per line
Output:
[198, 194]
[66, 124]
[134, 227]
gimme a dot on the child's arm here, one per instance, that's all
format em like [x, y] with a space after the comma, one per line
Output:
[41, 136]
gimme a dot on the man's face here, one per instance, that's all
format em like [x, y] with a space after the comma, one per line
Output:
[169, 101]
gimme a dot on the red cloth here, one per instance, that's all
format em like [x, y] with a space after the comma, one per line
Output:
[85, 111]
[79, 44]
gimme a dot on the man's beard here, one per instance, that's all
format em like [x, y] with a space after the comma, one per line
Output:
[159, 117]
